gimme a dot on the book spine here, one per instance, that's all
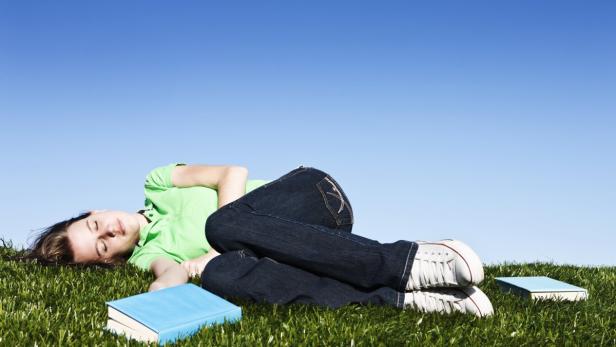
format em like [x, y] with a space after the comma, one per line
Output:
[188, 329]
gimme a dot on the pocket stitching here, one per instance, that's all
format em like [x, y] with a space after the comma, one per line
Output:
[339, 220]
[346, 199]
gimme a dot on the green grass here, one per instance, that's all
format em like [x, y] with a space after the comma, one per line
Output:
[50, 306]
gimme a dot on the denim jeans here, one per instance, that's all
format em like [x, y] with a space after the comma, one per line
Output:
[290, 241]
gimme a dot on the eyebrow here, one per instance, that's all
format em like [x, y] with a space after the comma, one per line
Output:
[95, 248]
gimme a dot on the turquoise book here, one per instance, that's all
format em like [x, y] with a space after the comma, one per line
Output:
[541, 287]
[169, 314]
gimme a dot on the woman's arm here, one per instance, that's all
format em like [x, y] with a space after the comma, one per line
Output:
[194, 267]
[229, 181]
[232, 186]
[168, 274]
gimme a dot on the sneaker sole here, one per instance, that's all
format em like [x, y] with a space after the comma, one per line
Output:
[480, 300]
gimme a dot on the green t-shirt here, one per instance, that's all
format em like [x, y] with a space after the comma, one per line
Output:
[177, 215]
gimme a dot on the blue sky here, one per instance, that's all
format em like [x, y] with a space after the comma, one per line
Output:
[489, 123]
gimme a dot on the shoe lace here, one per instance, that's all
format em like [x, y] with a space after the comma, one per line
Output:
[432, 270]
[435, 302]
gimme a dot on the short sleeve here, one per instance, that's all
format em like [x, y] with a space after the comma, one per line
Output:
[144, 260]
[160, 177]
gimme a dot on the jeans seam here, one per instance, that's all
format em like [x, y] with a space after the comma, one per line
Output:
[263, 186]
[401, 285]
[335, 232]
[284, 177]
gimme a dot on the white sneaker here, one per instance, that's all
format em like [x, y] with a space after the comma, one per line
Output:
[444, 263]
[447, 300]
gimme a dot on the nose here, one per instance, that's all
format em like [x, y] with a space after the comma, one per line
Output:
[110, 232]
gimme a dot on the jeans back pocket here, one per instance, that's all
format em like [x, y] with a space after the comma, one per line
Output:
[336, 201]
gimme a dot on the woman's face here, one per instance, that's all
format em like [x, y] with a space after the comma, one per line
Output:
[104, 235]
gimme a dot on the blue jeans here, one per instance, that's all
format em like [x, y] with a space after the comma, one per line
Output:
[290, 241]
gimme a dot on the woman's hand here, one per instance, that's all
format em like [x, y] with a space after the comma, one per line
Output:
[156, 285]
[194, 267]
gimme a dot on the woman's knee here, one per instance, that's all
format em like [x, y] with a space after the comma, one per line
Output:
[214, 225]
[220, 275]
[215, 275]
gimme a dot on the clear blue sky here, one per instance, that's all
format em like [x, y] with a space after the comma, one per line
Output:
[490, 123]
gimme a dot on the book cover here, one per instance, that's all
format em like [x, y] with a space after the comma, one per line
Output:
[169, 314]
[541, 287]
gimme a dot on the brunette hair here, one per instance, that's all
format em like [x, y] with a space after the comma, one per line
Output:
[52, 247]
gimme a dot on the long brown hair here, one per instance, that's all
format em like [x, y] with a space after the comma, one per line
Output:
[52, 247]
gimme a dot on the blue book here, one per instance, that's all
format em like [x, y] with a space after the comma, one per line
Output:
[541, 287]
[169, 314]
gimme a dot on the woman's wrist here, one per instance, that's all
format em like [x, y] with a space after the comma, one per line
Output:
[173, 276]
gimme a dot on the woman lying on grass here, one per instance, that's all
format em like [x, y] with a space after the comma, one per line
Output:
[283, 241]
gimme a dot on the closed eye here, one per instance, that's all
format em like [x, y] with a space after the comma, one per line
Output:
[95, 224]
[103, 249]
